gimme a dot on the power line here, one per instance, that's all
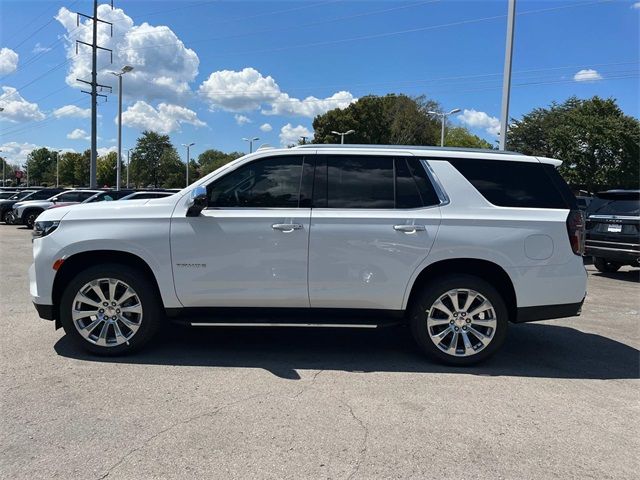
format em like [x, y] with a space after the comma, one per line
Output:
[39, 28]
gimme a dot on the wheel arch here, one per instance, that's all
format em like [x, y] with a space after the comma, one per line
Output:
[28, 210]
[488, 271]
[80, 261]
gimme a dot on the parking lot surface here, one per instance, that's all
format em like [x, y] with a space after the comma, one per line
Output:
[561, 400]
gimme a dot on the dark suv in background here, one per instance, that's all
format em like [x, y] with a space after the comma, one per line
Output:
[42, 194]
[613, 229]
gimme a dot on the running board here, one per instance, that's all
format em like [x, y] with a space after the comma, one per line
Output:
[287, 325]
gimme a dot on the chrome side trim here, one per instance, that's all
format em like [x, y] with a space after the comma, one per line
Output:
[595, 247]
[591, 242]
[613, 217]
[442, 194]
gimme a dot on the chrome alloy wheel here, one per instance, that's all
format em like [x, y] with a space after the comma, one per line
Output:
[107, 312]
[461, 322]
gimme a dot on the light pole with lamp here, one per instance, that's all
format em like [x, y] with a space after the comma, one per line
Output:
[188, 145]
[125, 69]
[251, 140]
[443, 116]
[342, 135]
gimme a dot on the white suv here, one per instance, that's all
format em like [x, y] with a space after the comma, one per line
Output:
[454, 243]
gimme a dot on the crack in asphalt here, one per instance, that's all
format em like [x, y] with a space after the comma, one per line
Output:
[365, 438]
[174, 425]
[311, 383]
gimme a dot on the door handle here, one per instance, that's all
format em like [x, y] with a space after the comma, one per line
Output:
[286, 227]
[409, 228]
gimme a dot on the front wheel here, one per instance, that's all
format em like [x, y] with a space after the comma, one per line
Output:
[604, 266]
[459, 319]
[30, 217]
[110, 309]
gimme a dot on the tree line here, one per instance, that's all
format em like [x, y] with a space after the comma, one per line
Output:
[599, 144]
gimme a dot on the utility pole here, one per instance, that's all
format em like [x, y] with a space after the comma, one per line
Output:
[506, 78]
[58, 168]
[94, 85]
[188, 145]
[4, 183]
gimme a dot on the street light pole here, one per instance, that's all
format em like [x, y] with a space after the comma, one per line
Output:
[251, 140]
[128, 150]
[125, 69]
[189, 145]
[506, 78]
[343, 134]
[443, 116]
[4, 162]
[58, 168]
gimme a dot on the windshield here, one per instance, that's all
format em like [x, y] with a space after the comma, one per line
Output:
[21, 195]
[601, 206]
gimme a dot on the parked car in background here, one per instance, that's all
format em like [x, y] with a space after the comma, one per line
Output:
[26, 212]
[146, 195]
[613, 229]
[454, 243]
[5, 194]
[101, 196]
[6, 206]
[583, 202]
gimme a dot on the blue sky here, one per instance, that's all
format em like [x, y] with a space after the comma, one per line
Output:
[213, 72]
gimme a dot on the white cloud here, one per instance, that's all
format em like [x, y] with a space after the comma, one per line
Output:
[636, 6]
[105, 150]
[72, 111]
[8, 61]
[290, 135]
[16, 108]
[39, 48]
[587, 75]
[475, 119]
[78, 134]
[16, 153]
[265, 127]
[248, 89]
[165, 119]
[241, 119]
[163, 66]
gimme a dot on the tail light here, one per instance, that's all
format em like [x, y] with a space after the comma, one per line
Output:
[575, 230]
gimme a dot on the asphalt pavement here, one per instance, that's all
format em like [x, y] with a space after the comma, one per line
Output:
[561, 400]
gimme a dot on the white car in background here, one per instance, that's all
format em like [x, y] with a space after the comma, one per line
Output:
[25, 213]
[454, 243]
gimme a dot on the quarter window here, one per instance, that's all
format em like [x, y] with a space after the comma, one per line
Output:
[269, 183]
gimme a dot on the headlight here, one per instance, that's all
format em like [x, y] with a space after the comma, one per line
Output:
[42, 229]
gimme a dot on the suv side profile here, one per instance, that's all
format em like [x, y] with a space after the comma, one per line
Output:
[454, 243]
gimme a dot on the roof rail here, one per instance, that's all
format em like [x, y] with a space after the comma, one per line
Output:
[321, 146]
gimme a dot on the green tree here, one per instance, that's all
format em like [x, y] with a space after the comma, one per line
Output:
[41, 165]
[106, 169]
[461, 137]
[389, 120]
[211, 160]
[599, 144]
[145, 159]
[81, 168]
[171, 170]
[9, 172]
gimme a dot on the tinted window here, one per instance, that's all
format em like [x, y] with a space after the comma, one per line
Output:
[272, 182]
[515, 184]
[427, 192]
[601, 206]
[42, 195]
[407, 194]
[68, 197]
[360, 182]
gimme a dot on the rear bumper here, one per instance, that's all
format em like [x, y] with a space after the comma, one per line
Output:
[45, 311]
[622, 255]
[548, 312]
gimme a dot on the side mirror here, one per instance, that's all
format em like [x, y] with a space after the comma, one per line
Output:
[198, 201]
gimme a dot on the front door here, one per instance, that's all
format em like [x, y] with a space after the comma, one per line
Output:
[249, 248]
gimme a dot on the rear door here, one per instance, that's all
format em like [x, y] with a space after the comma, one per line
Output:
[373, 221]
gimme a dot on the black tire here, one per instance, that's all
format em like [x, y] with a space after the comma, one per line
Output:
[437, 289]
[30, 217]
[605, 266]
[3, 216]
[153, 313]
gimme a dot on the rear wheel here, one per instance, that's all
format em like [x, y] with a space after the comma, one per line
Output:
[459, 319]
[605, 266]
[110, 309]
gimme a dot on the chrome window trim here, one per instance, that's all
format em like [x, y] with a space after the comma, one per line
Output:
[440, 192]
